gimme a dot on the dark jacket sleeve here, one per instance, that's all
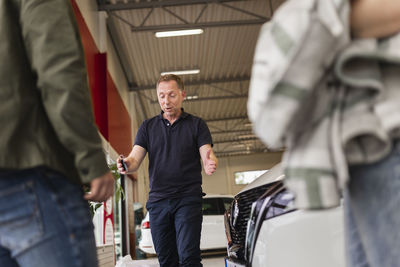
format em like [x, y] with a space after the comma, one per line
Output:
[54, 48]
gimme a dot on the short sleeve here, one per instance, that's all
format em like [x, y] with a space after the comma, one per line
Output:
[204, 135]
[141, 136]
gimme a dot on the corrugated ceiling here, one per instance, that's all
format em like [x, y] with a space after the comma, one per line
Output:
[223, 53]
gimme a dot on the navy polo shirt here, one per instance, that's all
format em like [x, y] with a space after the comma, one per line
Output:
[174, 157]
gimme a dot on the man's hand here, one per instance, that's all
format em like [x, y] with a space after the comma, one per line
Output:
[101, 188]
[120, 167]
[210, 163]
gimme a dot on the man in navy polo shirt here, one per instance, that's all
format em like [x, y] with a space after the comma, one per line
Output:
[175, 141]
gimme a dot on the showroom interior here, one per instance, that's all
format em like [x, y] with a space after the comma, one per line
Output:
[125, 57]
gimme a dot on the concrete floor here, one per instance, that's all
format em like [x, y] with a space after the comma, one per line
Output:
[208, 261]
[214, 261]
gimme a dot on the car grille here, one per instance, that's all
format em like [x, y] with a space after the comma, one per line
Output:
[245, 201]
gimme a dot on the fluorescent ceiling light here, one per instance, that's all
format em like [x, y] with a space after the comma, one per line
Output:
[178, 33]
[192, 97]
[181, 72]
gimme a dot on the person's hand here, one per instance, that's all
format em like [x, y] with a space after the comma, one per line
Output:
[210, 164]
[101, 188]
[120, 167]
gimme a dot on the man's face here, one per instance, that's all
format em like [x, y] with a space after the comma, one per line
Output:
[170, 98]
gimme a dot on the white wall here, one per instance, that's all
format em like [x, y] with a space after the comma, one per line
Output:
[90, 14]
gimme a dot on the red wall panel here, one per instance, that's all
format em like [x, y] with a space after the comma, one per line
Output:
[110, 113]
[99, 92]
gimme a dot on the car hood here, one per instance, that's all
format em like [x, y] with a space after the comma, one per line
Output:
[273, 175]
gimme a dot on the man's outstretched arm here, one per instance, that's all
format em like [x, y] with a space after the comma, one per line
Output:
[210, 161]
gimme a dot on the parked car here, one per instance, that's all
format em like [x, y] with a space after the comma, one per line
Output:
[264, 229]
[212, 233]
[146, 242]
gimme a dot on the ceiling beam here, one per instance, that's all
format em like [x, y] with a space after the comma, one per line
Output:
[243, 151]
[120, 51]
[248, 131]
[236, 140]
[172, 27]
[226, 119]
[257, 19]
[133, 87]
[240, 152]
[211, 98]
[243, 11]
[123, 60]
[156, 4]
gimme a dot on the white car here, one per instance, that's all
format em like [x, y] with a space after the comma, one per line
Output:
[212, 232]
[264, 229]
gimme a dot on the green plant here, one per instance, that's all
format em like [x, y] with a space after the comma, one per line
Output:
[118, 194]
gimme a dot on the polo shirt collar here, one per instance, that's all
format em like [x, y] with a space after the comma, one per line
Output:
[182, 116]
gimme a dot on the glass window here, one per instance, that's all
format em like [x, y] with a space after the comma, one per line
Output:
[227, 203]
[211, 206]
[216, 205]
[247, 177]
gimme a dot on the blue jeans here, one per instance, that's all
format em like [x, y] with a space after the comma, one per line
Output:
[372, 204]
[44, 221]
[176, 228]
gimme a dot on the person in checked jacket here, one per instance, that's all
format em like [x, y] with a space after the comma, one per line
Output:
[326, 86]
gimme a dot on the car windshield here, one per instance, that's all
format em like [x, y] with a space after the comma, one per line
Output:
[215, 206]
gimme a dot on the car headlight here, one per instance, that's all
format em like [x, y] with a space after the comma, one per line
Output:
[227, 218]
[275, 201]
[236, 220]
[234, 213]
[252, 225]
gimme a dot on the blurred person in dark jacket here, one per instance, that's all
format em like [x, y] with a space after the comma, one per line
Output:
[49, 144]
